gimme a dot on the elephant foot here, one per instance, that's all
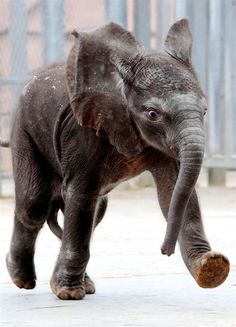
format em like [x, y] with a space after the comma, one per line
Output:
[21, 271]
[67, 287]
[89, 285]
[211, 269]
[65, 293]
[28, 285]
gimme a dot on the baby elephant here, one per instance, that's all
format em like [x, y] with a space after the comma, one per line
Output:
[83, 126]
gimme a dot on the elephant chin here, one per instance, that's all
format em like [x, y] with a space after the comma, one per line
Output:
[191, 157]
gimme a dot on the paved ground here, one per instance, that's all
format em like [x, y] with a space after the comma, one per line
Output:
[136, 285]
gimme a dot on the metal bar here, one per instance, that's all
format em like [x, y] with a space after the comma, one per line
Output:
[142, 22]
[227, 163]
[6, 176]
[34, 33]
[5, 32]
[229, 49]
[34, 8]
[197, 11]
[18, 13]
[53, 30]
[18, 41]
[200, 44]
[163, 21]
[4, 114]
[200, 40]
[116, 11]
[216, 176]
[180, 9]
[13, 80]
[233, 75]
[1, 152]
[216, 89]
[216, 93]
[231, 56]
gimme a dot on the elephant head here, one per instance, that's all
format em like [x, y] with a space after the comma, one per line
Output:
[140, 100]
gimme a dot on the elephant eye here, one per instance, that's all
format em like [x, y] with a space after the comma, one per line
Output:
[152, 114]
[205, 112]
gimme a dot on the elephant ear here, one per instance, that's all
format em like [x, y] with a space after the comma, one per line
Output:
[178, 43]
[100, 63]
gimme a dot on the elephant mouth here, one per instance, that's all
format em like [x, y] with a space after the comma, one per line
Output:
[173, 151]
[170, 149]
[137, 131]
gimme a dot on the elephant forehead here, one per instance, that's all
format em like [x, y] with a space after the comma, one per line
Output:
[164, 77]
[188, 99]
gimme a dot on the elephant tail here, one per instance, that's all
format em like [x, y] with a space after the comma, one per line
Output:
[5, 143]
[54, 226]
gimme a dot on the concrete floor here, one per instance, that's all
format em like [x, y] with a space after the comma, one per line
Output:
[136, 285]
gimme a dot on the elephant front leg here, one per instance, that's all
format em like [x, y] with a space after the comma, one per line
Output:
[68, 279]
[209, 269]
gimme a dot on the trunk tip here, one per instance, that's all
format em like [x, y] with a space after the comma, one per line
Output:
[167, 248]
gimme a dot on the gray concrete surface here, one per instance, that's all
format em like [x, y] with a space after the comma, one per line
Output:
[136, 285]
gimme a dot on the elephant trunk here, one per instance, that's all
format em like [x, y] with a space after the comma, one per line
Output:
[191, 152]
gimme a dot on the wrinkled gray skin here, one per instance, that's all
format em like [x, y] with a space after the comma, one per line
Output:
[122, 112]
[165, 103]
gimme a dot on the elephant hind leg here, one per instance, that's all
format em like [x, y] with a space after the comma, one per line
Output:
[33, 195]
[20, 259]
